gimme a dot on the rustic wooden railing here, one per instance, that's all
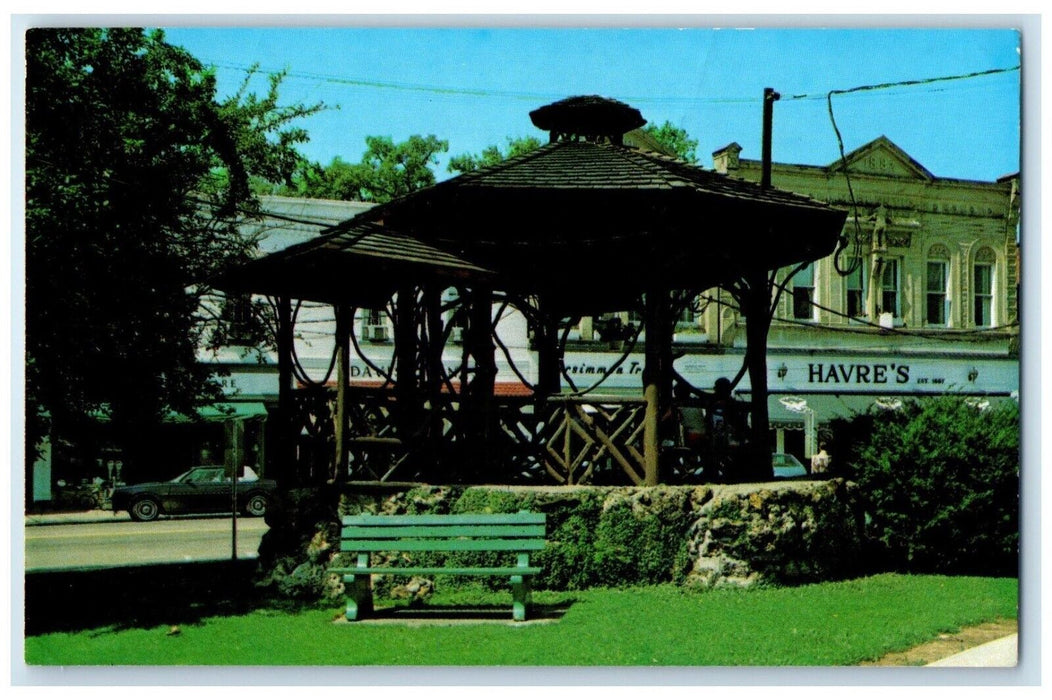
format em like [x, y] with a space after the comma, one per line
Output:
[567, 440]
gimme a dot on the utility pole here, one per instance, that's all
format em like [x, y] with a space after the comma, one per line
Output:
[758, 320]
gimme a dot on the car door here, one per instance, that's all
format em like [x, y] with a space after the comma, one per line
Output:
[204, 490]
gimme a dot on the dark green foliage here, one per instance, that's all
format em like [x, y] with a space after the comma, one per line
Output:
[675, 140]
[387, 170]
[136, 178]
[619, 557]
[491, 155]
[567, 561]
[597, 537]
[939, 482]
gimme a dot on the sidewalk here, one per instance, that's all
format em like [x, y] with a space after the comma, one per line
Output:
[999, 653]
[75, 517]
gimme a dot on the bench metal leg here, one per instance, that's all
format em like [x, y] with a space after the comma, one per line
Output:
[359, 595]
[520, 596]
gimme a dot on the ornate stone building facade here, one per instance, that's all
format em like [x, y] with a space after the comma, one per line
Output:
[938, 257]
[929, 303]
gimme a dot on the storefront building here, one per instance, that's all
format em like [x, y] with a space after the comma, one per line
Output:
[930, 307]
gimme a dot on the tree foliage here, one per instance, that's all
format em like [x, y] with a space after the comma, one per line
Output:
[136, 176]
[675, 140]
[387, 170]
[491, 155]
[939, 480]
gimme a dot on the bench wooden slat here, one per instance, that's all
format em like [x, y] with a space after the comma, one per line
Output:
[436, 532]
[442, 545]
[367, 519]
[435, 570]
[519, 533]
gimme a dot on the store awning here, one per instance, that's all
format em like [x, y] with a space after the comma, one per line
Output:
[219, 412]
[825, 406]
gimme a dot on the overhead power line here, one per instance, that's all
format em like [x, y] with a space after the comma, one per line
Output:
[902, 83]
[525, 95]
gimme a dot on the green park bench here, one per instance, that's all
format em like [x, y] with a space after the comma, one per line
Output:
[511, 533]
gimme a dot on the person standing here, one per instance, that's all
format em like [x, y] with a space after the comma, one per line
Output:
[820, 461]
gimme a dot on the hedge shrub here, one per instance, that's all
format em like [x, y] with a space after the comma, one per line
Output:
[939, 482]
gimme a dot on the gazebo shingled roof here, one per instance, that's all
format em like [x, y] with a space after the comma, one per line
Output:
[588, 223]
[596, 223]
[360, 264]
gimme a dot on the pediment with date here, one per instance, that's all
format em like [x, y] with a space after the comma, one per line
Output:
[882, 157]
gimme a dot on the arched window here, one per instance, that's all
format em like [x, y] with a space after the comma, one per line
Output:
[937, 300]
[983, 288]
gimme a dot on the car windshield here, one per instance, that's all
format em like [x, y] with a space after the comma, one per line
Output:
[201, 475]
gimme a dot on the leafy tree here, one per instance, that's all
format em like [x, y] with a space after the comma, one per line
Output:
[386, 171]
[136, 176]
[675, 140]
[939, 482]
[491, 155]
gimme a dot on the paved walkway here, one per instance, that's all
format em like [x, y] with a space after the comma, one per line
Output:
[999, 653]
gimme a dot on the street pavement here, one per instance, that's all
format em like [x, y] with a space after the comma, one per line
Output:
[999, 653]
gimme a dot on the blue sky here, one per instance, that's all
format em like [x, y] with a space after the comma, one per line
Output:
[474, 86]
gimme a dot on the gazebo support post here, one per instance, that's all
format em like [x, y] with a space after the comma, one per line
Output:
[757, 325]
[546, 342]
[406, 384]
[285, 462]
[343, 350]
[480, 405]
[657, 379]
[435, 371]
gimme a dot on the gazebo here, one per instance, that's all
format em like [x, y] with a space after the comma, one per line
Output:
[580, 226]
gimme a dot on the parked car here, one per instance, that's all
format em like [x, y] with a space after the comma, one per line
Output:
[787, 466]
[204, 489]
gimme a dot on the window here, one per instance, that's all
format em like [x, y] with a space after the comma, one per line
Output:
[455, 315]
[983, 288]
[238, 317]
[374, 325]
[936, 306]
[856, 288]
[804, 293]
[889, 289]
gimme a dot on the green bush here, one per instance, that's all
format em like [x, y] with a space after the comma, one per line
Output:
[939, 482]
[596, 537]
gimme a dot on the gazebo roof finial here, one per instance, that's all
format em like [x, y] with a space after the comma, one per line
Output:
[589, 116]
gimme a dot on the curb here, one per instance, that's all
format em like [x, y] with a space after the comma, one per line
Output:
[75, 518]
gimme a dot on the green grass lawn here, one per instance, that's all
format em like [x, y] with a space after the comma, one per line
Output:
[818, 625]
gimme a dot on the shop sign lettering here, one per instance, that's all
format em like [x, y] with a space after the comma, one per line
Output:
[837, 373]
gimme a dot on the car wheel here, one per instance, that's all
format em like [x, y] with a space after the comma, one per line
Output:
[144, 509]
[256, 505]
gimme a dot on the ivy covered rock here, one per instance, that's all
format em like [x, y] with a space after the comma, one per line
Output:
[709, 536]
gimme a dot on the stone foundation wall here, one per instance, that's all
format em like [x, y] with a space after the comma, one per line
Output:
[702, 536]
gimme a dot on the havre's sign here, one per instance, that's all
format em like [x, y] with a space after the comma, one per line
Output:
[852, 373]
